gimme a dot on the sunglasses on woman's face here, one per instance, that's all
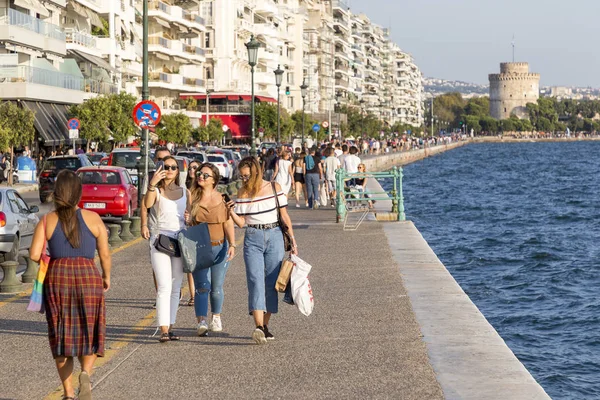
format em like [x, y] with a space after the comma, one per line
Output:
[204, 175]
[194, 167]
[171, 167]
[245, 177]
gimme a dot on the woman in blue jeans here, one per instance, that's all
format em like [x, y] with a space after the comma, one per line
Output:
[313, 173]
[208, 206]
[256, 210]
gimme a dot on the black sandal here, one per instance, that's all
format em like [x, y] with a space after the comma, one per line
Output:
[173, 336]
[190, 301]
[164, 338]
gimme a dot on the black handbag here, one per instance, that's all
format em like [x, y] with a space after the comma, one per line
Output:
[167, 245]
[287, 238]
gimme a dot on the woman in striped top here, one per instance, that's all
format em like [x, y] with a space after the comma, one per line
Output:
[256, 210]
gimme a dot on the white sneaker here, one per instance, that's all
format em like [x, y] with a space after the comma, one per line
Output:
[259, 336]
[215, 324]
[297, 205]
[202, 328]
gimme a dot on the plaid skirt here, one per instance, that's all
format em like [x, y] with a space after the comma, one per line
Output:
[74, 300]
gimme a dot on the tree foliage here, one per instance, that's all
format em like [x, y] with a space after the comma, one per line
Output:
[16, 126]
[175, 128]
[212, 133]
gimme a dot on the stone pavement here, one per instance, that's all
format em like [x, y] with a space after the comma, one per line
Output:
[362, 339]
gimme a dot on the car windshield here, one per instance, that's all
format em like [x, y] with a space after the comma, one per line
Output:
[225, 154]
[125, 159]
[72, 163]
[214, 159]
[96, 157]
[100, 178]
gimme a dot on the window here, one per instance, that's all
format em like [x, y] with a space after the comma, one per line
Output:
[207, 40]
[504, 109]
[290, 78]
[100, 178]
[17, 205]
[290, 102]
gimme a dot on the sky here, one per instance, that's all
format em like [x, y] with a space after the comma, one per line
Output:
[468, 39]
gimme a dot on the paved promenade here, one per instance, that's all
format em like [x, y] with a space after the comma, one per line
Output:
[362, 340]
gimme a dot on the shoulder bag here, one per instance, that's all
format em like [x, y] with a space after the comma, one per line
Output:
[196, 247]
[287, 238]
[167, 245]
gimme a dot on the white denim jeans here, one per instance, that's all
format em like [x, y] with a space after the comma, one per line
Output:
[169, 275]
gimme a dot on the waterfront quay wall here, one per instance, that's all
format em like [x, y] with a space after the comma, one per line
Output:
[389, 160]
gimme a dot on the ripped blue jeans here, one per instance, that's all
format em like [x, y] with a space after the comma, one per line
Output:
[210, 281]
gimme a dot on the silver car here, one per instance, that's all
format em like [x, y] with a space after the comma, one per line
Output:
[17, 223]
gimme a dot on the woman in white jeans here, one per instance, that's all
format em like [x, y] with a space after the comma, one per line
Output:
[170, 201]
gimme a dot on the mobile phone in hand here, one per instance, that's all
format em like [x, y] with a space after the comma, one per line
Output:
[226, 197]
[160, 164]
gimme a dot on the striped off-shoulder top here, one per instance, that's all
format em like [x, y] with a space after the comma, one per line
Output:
[260, 210]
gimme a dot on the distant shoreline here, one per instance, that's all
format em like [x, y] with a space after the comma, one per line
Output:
[496, 139]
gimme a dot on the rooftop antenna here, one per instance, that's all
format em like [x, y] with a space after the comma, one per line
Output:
[513, 47]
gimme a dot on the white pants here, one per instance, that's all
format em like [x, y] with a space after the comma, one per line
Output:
[169, 275]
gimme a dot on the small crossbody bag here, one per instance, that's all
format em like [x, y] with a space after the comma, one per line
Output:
[287, 238]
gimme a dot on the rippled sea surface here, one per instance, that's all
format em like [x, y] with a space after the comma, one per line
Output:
[518, 226]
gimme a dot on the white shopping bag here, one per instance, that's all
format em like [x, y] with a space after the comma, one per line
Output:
[301, 290]
[323, 195]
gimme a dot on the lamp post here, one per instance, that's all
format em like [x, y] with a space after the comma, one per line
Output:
[339, 106]
[144, 151]
[362, 117]
[252, 47]
[303, 92]
[278, 78]
[208, 92]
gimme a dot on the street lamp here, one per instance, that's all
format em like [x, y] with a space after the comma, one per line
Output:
[252, 47]
[339, 106]
[278, 78]
[303, 92]
[362, 117]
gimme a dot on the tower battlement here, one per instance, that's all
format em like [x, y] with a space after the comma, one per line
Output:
[512, 89]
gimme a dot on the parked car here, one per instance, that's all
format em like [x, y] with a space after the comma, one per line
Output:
[183, 163]
[53, 165]
[244, 150]
[17, 223]
[221, 163]
[231, 160]
[104, 161]
[95, 158]
[108, 191]
[193, 155]
[129, 158]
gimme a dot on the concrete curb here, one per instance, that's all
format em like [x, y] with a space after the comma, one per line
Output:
[470, 359]
[26, 188]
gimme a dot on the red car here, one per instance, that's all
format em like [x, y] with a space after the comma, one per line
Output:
[108, 191]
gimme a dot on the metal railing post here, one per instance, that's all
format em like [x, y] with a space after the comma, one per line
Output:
[401, 213]
[339, 188]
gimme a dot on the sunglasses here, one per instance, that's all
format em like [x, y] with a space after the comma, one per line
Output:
[245, 177]
[204, 175]
[171, 167]
[194, 167]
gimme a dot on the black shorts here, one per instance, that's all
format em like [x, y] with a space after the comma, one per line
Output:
[299, 178]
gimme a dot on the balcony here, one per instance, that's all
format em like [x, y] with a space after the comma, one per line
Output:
[266, 8]
[245, 25]
[176, 15]
[266, 30]
[175, 48]
[175, 82]
[24, 82]
[341, 4]
[341, 83]
[223, 109]
[22, 29]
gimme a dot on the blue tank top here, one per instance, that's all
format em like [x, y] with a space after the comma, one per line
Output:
[59, 246]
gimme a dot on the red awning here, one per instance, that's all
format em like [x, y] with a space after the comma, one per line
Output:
[245, 97]
[266, 99]
[239, 125]
[203, 96]
[235, 97]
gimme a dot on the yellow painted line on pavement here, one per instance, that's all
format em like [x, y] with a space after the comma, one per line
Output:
[28, 291]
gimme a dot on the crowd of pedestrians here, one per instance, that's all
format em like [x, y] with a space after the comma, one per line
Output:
[74, 288]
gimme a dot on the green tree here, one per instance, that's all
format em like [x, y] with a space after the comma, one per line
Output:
[212, 133]
[478, 106]
[544, 125]
[175, 128]
[472, 122]
[507, 125]
[489, 124]
[16, 128]
[266, 118]
[94, 116]
[121, 123]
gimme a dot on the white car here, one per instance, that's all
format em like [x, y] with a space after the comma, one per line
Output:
[17, 223]
[225, 170]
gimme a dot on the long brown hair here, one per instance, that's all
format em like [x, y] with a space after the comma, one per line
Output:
[161, 184]
[252, 185]
[67, 193]
[197, 189]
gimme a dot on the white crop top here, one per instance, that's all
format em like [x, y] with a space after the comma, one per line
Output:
[260, 210]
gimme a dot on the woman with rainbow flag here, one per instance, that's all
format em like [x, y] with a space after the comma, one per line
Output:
[73, 288]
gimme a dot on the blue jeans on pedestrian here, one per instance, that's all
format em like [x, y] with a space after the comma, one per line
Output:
[312, 188]
[210, 280]
[263, 253]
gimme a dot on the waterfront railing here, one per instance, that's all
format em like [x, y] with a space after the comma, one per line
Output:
[351, 198]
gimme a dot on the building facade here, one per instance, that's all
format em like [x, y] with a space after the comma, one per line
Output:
[512, 89]
[56, 53]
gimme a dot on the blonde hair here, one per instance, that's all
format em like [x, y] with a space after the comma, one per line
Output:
[253, 184]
